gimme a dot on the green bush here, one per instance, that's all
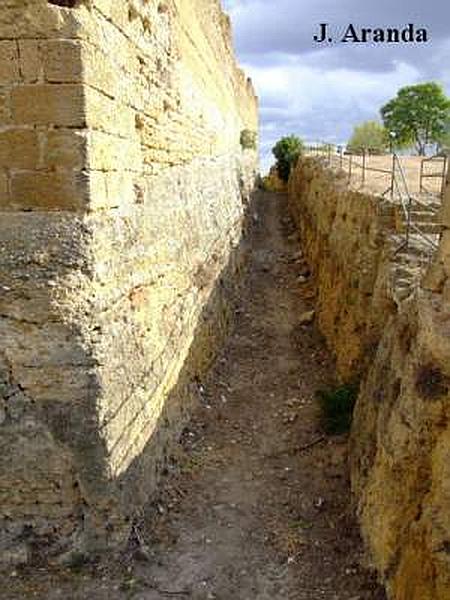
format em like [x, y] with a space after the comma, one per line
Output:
[286, 151]
[336, 406]
[249, 139]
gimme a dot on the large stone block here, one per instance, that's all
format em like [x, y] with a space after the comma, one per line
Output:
[62, 61]
[65, 148]
[59, 105]
[19, 149]
[30, 60]
[48, 191]
[9, 62]
[104, 113]
[113, 153]
[32, 19]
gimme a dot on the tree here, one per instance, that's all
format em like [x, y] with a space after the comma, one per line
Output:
[286, 151]
[370, 136]
[444, 139]
[417, 114]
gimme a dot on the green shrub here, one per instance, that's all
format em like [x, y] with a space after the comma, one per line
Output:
[286, 151]
[336, 406]
[249, 139]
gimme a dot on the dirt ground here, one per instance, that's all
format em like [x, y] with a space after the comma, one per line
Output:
[256, 505]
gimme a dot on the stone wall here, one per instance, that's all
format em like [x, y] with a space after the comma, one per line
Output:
[123, 195]
[345, 239]
[400, 442]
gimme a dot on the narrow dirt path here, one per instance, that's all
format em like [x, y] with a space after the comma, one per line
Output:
[257, 507]
[264, 508]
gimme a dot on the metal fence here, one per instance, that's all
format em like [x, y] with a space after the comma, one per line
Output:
[400, 178]
[439, 164]
[378, 172]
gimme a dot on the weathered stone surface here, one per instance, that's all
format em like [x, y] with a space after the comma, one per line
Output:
[400, 435]
[62, 61]
[48, 191]
[9, 62]
[400, 462]
[346, 242]
[66, 149]
[30, 62]
[19, 149]
[60, 105]
[123, 196]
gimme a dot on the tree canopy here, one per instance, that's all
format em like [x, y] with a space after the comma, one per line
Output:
[444, 138]
[417, 115]
[286, 151]
[370, 136]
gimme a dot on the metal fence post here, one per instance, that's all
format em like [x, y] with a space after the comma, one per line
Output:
[444, 177]
[421, 176]
[364, 168]
[393, 175]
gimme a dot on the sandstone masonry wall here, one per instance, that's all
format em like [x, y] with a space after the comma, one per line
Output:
[400, 443]
[123, 192]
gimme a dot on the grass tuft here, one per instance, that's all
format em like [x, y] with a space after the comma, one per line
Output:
[336, 407]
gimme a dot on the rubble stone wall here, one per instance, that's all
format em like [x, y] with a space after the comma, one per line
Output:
[344, 238]
[123, 197]
[400, 441]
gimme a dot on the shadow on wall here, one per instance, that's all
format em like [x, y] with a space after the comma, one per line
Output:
[65, 3]
[93, 512]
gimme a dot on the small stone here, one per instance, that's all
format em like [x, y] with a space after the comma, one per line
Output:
[319, 502]
[307, 317]
[143, 554]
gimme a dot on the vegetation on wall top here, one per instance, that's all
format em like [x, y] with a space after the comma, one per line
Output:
[249, 139]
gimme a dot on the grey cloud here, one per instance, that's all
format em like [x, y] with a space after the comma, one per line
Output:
[288, 26]
[322, 92]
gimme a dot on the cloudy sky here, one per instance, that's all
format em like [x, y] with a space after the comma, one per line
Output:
[321, 91]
